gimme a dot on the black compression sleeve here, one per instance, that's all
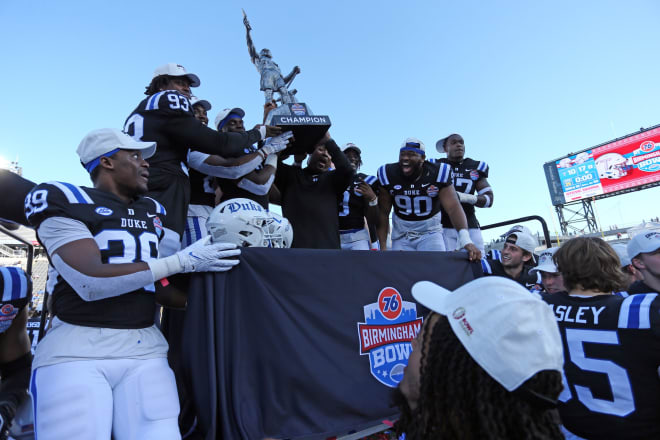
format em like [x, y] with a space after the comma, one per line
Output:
[13, 388]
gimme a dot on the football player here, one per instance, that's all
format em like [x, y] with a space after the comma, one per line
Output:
[256, 185]
[469, 178]
[551, 278]
[486, 364]
[102, 366]
[166, 117]
[516, 256]
[644, 251]
[15, 355]
[417, 189]
[611, 346]
[359, 202]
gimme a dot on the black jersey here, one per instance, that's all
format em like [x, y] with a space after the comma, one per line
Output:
[231, 190]
[353, 205]
[124, 233]
[201, 189]
[640, 287]
[415, 198]
[167, 119]
[530, 281]
[611, 360]
[464, 176]
[16, 290]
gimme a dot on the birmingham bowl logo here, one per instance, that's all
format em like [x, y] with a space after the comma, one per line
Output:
[647, 146]
[432, 191]
[390, 324]
[7, 309]
[298, 109]
[474, 175]
[158, 226]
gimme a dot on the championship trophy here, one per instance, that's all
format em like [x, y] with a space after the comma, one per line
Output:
[290, 114]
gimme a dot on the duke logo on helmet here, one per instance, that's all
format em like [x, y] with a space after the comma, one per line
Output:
[385, 336]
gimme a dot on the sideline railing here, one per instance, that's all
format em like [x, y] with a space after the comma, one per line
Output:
[515, 221]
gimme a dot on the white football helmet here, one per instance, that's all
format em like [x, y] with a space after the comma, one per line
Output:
[612, 166]
[246, 223]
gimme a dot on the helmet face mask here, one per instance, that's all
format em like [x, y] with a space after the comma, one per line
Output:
[246, 224]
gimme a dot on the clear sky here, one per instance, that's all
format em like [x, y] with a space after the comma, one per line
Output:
[523, 82]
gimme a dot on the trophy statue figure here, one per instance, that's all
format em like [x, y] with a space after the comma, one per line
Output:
[271, 76]
[291, 114]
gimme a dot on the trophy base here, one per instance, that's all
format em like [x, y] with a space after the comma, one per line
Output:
[307, 128]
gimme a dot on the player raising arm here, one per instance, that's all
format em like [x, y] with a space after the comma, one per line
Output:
[104, 360]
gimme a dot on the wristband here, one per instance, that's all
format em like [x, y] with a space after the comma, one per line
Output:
[271, 160]
[261, 153]
[262, 131]
[467, 198]
[164, 267]
[373, 202]
[464, 238]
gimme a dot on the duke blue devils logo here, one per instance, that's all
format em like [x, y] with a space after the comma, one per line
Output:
[385, 335]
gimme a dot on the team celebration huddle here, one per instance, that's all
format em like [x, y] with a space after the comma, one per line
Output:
[528, 341]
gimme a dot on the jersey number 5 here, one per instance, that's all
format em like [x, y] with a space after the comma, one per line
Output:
[623, 403]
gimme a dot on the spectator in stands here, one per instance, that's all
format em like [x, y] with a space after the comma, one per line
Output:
[517, 254]
[611, 347]
[15, 355]
[485, 365]
[551, 278]
[310, 195]
[359, 202]
[631, 272]
[644, 251]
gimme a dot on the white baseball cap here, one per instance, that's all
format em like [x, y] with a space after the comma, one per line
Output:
[440, 145]
[106, 142]
[224, 113]
[352, 146]
[546, 263]
[203, 102]
[645, 241]
[519, 228]
[622, 251]
[523, 240]
[412, 143]
[510, 332]
[174, 69]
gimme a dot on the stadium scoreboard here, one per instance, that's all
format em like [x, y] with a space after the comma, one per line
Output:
[621, 165]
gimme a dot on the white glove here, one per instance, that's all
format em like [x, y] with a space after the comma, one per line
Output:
[204, 256]
[201, 256]
[467, 198]
[277, 143]
[271, 160]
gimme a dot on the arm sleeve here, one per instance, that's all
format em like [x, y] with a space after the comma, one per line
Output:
[186, 130]
[343, 171]
[196, 161]
[255, 188]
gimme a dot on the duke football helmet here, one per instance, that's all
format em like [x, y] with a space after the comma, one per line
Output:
[246, 223]
[612, 166]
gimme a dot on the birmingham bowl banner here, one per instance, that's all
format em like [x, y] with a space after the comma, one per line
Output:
[303, 343]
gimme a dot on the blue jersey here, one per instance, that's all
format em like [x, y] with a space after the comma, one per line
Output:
[611, 359]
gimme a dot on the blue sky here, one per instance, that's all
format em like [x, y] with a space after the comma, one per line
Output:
[523, 82]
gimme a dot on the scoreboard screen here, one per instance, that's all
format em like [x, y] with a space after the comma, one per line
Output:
[619, 165]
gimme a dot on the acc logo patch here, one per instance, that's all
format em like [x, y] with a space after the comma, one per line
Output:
[298, 109]
[432, 191]
[385, 335]
[7, 314]
[474, 175]
[102, 210]
[158, 225]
